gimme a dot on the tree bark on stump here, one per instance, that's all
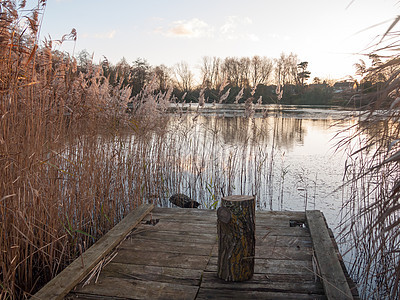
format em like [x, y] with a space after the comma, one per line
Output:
[236, 238]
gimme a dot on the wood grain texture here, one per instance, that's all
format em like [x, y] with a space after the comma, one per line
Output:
[177, 258]
[236, 236]
[335, 282]
[75, 272]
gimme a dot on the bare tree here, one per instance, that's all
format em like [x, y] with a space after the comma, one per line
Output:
[230, 69]
[260, 70]
[210, 72]
[184, 77]
[286, 69]
[244, 72]
[162, 75]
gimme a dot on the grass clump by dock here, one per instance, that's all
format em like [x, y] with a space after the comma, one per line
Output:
[73, 162]
[62, 185]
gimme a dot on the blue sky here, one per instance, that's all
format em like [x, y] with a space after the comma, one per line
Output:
[326, 33]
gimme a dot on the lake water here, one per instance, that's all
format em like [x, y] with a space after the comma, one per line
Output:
[285, 155]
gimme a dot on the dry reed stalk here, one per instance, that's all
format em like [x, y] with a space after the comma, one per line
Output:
[371, 211]
[73, 163]
[64, 174]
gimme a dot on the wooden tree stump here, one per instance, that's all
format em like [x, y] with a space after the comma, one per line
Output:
[236, 238]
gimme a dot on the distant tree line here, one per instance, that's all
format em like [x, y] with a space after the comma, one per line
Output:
[280, 80]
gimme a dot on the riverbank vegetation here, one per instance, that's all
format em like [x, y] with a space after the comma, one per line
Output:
[73, 162]
[280, 80]
[60, 190]
[371, 210]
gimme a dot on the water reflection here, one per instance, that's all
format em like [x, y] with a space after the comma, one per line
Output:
[284, 133]
[286, 159]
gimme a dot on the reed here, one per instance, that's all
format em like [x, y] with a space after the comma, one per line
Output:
[63, 183]
[371, 210]
[73, 163]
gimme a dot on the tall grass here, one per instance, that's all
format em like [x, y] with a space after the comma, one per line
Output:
[73, 162]
[63, 183]
[371, 210]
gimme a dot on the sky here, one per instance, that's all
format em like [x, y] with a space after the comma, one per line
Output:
[329, 34]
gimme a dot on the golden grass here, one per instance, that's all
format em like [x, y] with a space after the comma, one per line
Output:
[73, 163]
[62, 183]
[371, 210]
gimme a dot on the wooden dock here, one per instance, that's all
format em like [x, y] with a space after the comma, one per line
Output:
[172, 254]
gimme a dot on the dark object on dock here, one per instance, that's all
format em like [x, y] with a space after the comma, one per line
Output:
[184, 201]
[236, 238]
[295, 223]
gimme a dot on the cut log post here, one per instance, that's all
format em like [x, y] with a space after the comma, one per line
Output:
[236, 238]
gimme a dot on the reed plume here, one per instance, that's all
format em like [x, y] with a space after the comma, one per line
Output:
[371, 210]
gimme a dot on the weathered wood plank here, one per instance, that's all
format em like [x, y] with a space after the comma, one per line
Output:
[160, 235]
[171, 259]
[269, 218]
[227, 294]
[283, 241]
[75, 272]
[186, 227]
[190, 228]
[271, 252]
[152, 273]
[79, 296]
[130, 288]
[196, 211]
[263, 283]
[183, 211]
[262, 239]
[281, 231]
[284, 214]
[192, 248]
[274, 266]
[162, 259]
[335, 282]
[188, 219]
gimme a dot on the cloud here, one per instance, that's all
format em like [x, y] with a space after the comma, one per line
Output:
[105, 35]
[233, 28]
[279, 37]
[193, 28]
[253, 37]
[237, 28]
[99, 35]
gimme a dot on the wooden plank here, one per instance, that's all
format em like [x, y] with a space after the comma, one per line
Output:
[335, 283]
[270, 218]
[263, 230]
[152, 273]
[283, 214]
[131, 288]
[271, 252]
[162, 259]
[227, 294]
[263, 283]
[189, 219]
[183, 211]
[274, 266]
[186, 227]
[281, 231]
[263, 238]
[192, 248]
[284, 241]
[160, 235]
[59, 286]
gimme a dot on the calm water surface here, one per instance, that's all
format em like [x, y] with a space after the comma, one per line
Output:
[285, 155]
